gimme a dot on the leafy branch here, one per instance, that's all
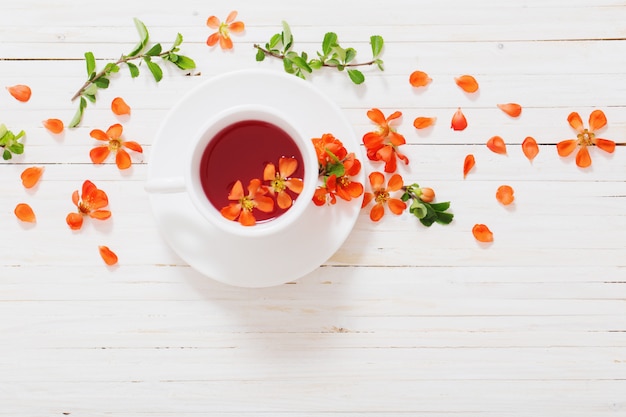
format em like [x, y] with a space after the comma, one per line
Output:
[332, 55]
[426, 211]
[101, 79]
[9, 143]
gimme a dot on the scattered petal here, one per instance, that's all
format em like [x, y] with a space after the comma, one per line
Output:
[54, 125]
[119, 107]
[459, 122]
[482, 233]
[108, 256]
[467, 83]
[496, 144]
[530, 148]
[424, 122]
[30, 176]
[468, 164]
[504, 195]
[20, 92]
[419, 79]
[512, 109]
[25, 213]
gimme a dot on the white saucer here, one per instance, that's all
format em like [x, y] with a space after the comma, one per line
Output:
[239, 261]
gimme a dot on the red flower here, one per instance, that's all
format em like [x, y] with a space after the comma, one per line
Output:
[381, 195]
[586, 137]
[89, 203]
[382, 144]
[116, 144]
[329, 149]
[242, 206]
[281, 181]
[223, 30]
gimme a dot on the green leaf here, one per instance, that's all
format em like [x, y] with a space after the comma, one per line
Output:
[185, 63]
[154, 68]
[90, 60]
[315, 64]
[330, 40]
[274, 41]
[379, 64]
[260, 55]
[350, 54]
[143, 37]
[91, 90]
[90, 97]
[377, 45]
[17, 148]
[444, 218]
[178, 41]
[336, 168]
[440, 206]
[134, 69]
[286, 37]
[78, 116]
[102, 82]
[111, 67]
[288, 65]
[6, 155]
[302, 64]
[155, 50]
[356, 76]
[3, 131]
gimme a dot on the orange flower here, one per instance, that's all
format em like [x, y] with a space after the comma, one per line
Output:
[242, 205]
[530, 148]
[329, 149]
[585, 138]
[281, 181]
[340, 186]
[20, 92]
[419, 79]
[30, 176]
[380, 195]
[382, 144]
[223, 30]
[54, 125]
[496, 144]
[459, 122]
[115, 144]
[504, 195]
[482, 233]
[108, 256]
[468, 164]
[512, 109]
[119, 107]
[90, 203]
[25, 213]
[467, 83]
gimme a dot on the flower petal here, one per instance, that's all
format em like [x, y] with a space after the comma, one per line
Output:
[213, 39]
[25, 213]
[396, 206]
[295, 184]
[231, 17]
[377, 180]
[566, 147]
[213, 22]
[468, 164]
[287, 166]
[319, 197]
[482, 233]
[237, 27]
[236, 193]
[119, 107]
[100, 214]
[269, 172]
[231, 211]
[512, 109]
[266, 204]
[99, 134]
[424, 122]
[283, 200]
[74, 221]
[30, 176]
[605, 144]
[20, 92]
[504, 195]
[419, 79]
[395, 115]
[115, 131]
[99, 154]
[575, 121]
[496, 144]
[377, 212]
[459, 122]
[53, 125]
[247, 218]
[467, 83]
[597, 120]
[530, 148]
[133, 146]
[376, 116]
[122, 159]
[108, 256]
[583, 159]
[226, 43]
[395, 183]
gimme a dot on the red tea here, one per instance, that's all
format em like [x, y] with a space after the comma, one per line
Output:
[240, 152]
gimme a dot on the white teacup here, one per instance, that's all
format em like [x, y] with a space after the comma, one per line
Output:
[190, 181]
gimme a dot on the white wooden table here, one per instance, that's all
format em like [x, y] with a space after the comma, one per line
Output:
[403, 319]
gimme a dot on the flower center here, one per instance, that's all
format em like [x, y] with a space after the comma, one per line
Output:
[223, 29]
[381, 196]
[586, 138]
[82, 208]
[278, 184]
[115, 144]
[246, 203]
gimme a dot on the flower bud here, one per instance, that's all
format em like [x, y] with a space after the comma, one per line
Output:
[428, 195]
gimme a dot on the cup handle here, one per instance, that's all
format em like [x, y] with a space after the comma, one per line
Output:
[165, 185]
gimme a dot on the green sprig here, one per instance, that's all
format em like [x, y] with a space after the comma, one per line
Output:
[9, 143]
[141, 52]
[427, 213]
[332, 55]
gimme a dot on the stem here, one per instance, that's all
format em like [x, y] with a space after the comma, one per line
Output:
[282, 56]
[100, 74]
